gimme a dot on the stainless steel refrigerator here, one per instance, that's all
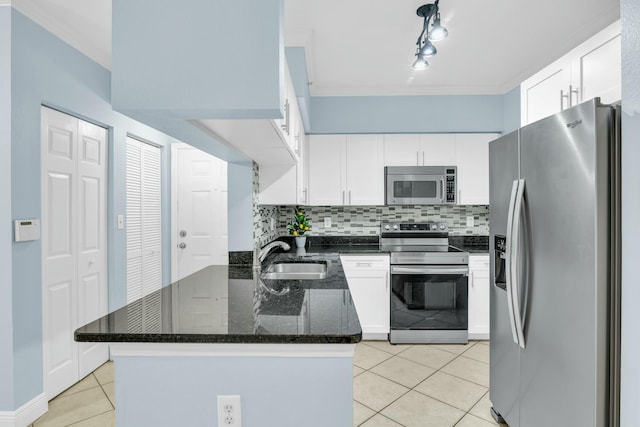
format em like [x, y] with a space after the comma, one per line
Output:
[554, 244]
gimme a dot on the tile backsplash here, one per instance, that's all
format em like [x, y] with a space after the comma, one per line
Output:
[365, 220]
[262, 215]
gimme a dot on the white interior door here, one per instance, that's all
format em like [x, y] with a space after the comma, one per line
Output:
[144, 219]
[199, 189]
[73, 245]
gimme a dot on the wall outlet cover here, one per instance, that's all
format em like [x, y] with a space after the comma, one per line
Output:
[327, 222]
[470, 221]
[229, 412]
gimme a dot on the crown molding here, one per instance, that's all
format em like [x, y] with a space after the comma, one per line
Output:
[33, 11]
[5, 3]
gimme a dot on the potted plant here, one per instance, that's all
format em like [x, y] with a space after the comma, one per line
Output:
[299, 227]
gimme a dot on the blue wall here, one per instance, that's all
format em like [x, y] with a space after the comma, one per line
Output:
[6, 234]
[630, 11]
[44, 70]
[511, 110]
[406, 114]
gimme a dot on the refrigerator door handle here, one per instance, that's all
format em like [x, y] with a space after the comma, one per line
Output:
[515, 256]
[509, 258]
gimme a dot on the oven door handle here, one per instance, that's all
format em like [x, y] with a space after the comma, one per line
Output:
[430, 270]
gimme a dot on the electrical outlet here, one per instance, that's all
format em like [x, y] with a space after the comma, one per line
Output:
[272, 224]
[229, 413]
[327, 222]
[470, 221]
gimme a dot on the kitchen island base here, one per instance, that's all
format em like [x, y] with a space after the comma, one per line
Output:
[279, 385]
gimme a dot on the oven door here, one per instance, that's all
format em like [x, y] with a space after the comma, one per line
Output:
[414, 189]
[429, 303]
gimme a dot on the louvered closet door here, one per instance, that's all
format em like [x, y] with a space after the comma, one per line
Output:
[144, 243]
[74, 252]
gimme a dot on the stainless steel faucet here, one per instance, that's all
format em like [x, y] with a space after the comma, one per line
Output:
[265, 251]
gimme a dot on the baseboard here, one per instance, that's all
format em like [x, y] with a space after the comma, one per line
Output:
[26, 414]
[479, 336]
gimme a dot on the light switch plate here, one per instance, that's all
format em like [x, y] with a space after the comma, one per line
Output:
[120, 222]
[327, 222]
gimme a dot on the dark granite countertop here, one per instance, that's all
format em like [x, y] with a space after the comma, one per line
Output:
[228, 304]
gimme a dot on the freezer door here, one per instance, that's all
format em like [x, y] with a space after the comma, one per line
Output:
[563, 160]
[504, 352]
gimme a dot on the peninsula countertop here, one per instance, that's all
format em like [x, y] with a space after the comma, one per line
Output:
[231, 304]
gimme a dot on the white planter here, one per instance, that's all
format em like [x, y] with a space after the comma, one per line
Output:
[301, 241]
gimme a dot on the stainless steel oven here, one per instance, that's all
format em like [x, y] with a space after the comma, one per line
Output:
[429, 284]
[420, 185]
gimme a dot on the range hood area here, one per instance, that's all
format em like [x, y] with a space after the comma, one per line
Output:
[196, 81]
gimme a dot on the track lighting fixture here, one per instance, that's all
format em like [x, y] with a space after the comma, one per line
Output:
[432, 30]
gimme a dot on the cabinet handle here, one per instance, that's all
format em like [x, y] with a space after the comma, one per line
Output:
[304, 199]
[288, 117]
[285, 126]
[459, 197]
[363, 264]
[343, 197]
[349, 196]
[387, 284]
[571, 92]
[423, 158]
[417, 158]
[562, 98]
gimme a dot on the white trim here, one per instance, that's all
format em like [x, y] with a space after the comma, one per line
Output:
[26, 414]
[79, 41]
[231, 350]
[5, 3]
[174, 208]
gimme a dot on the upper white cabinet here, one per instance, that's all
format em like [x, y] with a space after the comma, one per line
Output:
[267, 142]
[592, 69]
[472, 159]
[345, 170]
[419, 150]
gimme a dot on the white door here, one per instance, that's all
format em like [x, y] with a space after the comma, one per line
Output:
[438, 149]
[402, 150]
[73, 245]
[199, 229]
[144, 219]
[472, 154]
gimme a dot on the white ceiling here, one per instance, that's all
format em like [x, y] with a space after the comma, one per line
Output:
[366, 47]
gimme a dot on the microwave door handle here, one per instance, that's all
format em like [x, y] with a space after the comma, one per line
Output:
[515, 256]
[442, 190]
[509, 260]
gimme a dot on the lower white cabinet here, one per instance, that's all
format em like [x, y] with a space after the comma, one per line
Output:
[479, 297]
[368, 279]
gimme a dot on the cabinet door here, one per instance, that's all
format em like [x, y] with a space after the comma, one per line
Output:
[479, 297]
[472, 159]
[364, 170]
[368, 280]
[546, 92]
[402, 150]
[438, 149]
[326, 170]
[597, 66]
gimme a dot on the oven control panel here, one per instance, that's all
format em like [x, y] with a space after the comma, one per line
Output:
[413, 227]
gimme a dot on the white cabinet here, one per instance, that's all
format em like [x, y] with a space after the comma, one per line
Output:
[592, 69]
[368, 279]
[479, 297]
[285, 184]
[419, 150]
[472, 159]
[267, 142]
[345, 170]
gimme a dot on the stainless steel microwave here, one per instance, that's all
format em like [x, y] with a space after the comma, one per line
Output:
[420, 185]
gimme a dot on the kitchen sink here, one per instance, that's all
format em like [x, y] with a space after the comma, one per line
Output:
[296, 271]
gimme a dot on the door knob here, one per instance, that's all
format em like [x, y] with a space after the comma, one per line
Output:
[182, 245]
[183, 233]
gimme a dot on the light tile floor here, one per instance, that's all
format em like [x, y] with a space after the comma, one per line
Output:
[400, 385]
